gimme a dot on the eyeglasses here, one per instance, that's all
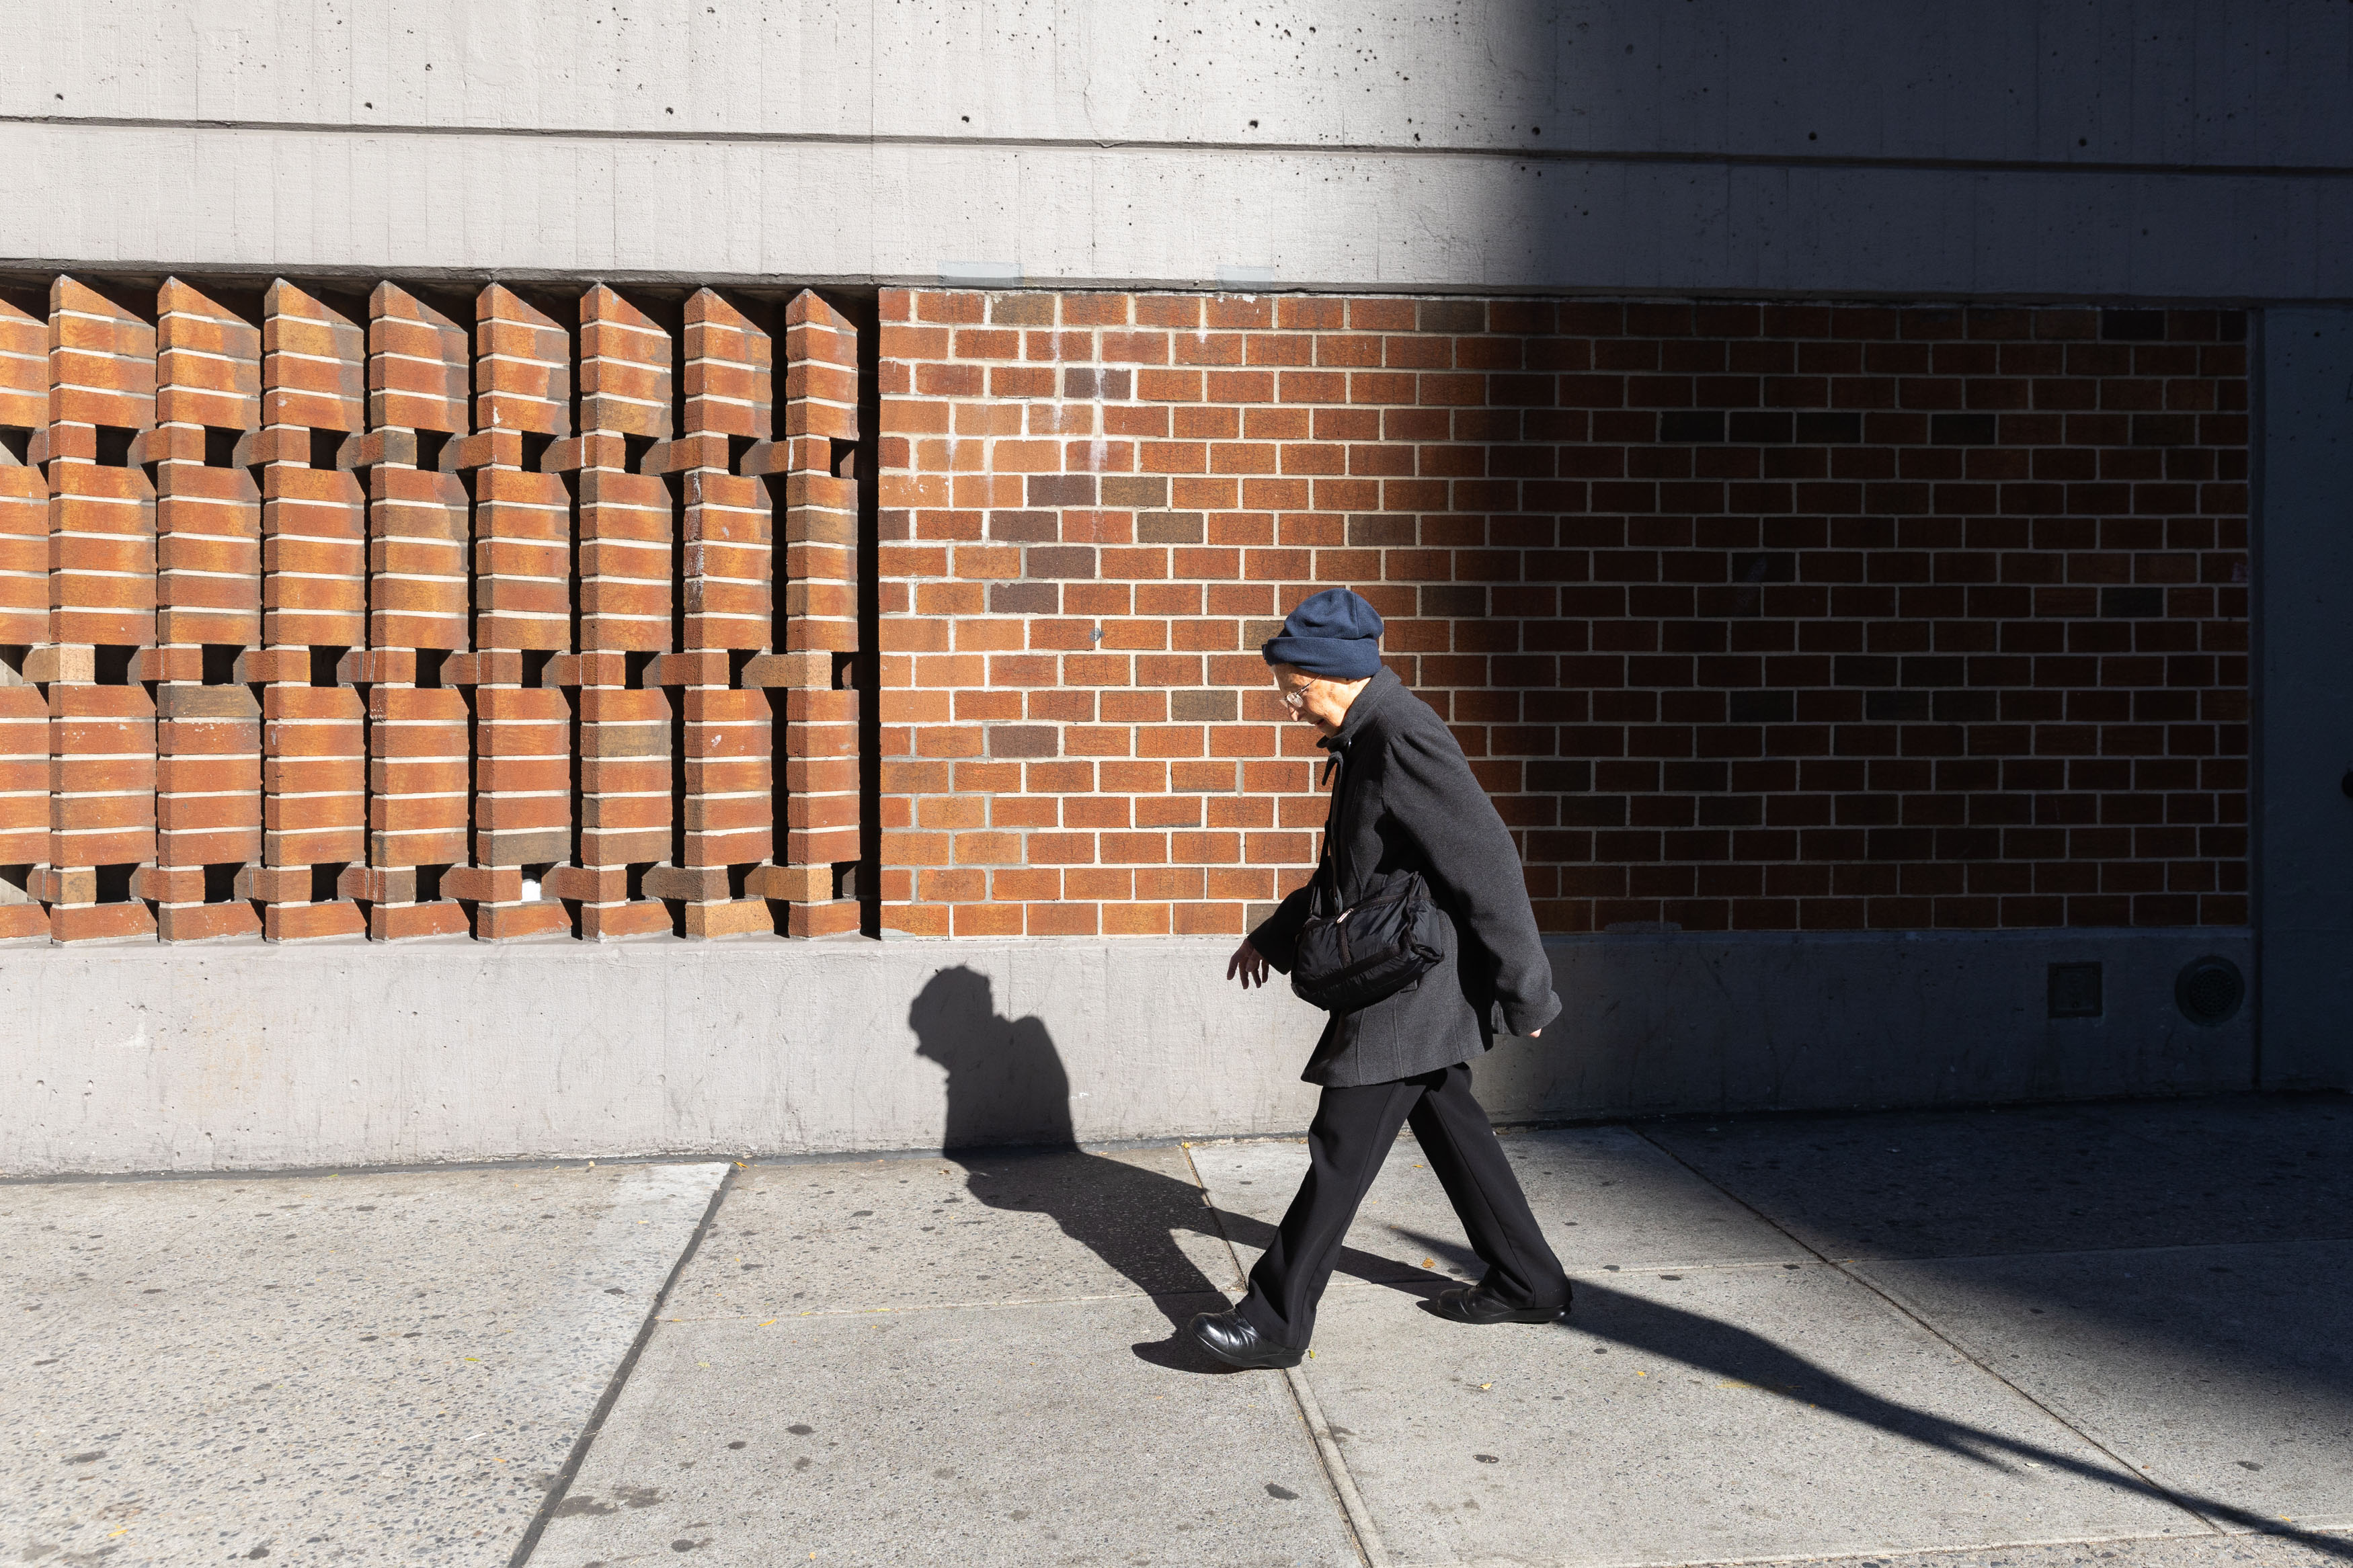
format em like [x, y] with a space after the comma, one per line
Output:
[1294, 697]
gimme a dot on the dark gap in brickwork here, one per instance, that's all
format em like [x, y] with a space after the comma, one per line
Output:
[110, 664]
[675, 484]
[220, 445]
[114, 445]
[572, 747]
[676, 697]
[467, 481]
[863, 311]
[573, 609]
[466, 695]
[779, 785]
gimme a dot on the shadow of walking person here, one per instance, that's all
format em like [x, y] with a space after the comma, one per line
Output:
[1758, 1364]
[1008, 1126]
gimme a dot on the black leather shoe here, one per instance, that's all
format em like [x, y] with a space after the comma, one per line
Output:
[1473, 1304]
[1230, 1338]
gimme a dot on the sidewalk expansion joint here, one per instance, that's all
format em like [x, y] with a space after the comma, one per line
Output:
[2131, 1477]
[1361, 1534]
[596, 1424]
[773, 1316]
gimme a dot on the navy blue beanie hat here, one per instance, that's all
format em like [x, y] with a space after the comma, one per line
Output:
[1333, 633]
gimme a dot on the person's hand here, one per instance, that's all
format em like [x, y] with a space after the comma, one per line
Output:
[1247, 963]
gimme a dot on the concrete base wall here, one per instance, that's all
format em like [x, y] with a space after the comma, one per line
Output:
[135, 1058]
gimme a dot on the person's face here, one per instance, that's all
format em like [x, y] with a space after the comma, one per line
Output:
[1312, 700]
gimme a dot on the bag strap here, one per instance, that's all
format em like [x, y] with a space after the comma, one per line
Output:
[1326, 861]
[1318, 883]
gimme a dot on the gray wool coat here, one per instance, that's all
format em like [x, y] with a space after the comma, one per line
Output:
[1405, 800]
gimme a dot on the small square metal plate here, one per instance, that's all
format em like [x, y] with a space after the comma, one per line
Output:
[2076, 990]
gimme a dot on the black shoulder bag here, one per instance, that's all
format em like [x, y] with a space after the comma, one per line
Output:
[1371, 950]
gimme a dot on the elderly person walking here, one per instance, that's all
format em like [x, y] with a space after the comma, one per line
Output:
[1405, 805]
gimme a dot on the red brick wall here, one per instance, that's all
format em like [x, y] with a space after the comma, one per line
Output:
[324, 615]
[1757, 618]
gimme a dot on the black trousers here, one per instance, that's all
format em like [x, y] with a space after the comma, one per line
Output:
[1353, 1132]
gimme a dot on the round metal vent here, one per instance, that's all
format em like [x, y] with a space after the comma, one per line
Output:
[2209, 991]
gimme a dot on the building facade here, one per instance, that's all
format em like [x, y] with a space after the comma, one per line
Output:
[556, 571]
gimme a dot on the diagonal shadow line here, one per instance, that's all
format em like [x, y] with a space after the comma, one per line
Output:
[1710, 1344]
[1370, 1268]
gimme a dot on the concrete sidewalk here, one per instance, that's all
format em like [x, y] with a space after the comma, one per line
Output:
[2110, 1334]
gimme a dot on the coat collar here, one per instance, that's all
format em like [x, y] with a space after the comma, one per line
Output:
[1361, 711]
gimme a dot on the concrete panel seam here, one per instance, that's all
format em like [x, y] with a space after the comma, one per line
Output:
[1263, 149]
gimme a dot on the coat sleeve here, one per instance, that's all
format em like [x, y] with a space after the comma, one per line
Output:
[1473, 868]
[1277, 937]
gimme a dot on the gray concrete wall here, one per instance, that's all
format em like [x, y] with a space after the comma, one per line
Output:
[135, 1058]
[2047, 150]
[2304, 747]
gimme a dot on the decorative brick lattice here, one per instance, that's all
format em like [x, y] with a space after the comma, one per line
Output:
[1763, 617]
[412, 614]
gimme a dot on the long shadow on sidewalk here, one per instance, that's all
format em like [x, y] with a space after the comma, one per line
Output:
[1009, 1125]
[1727, 1350]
